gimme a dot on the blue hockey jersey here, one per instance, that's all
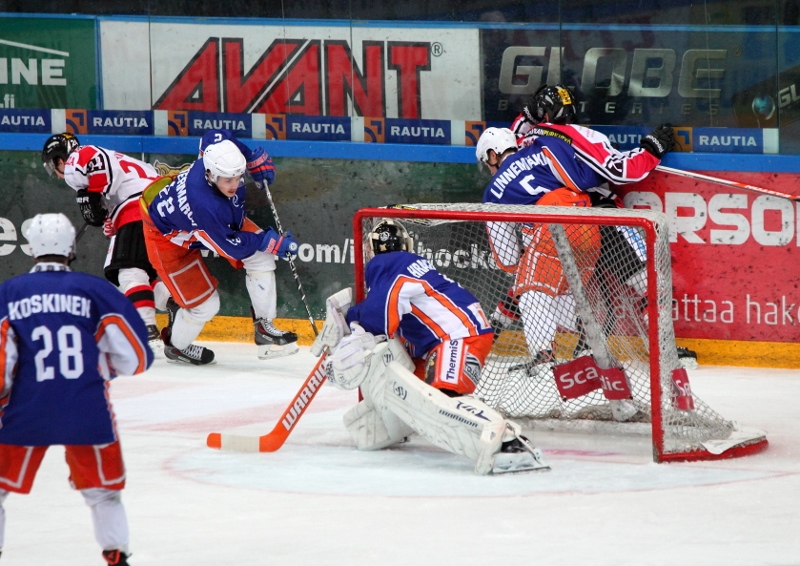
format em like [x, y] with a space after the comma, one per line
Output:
[408, 298]
[63, 336]
[545, 165]
[192, 213]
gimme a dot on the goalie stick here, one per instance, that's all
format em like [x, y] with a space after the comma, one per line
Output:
[291, 261]
[274, 439]
[726, 182]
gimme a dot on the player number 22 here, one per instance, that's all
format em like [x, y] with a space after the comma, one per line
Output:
[70, 352]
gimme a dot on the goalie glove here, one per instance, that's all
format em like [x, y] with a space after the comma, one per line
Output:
[349, 365]
[335, 327]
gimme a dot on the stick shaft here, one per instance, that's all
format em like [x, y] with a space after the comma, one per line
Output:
[291, 261]
[273, 440]
[726, 182]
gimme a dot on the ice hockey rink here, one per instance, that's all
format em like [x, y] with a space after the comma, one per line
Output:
[317, 501]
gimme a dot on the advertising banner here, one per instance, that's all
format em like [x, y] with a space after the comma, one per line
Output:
[735, 255]
[48, 63]
[651, 74]
[333, 70]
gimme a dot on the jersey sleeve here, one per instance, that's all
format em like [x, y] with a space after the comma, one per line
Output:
[121, 336]
[595, 149]
[225, 240]
[8, 358]
[90, 168]
[505, 244]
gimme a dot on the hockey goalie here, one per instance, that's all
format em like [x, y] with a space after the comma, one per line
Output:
[416, 346]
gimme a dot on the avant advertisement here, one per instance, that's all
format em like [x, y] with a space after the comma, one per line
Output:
[381, 72]
[47, 63]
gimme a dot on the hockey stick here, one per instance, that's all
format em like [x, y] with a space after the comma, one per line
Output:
[291, 261]
[80, 233]
[726, 182]
[273, 440]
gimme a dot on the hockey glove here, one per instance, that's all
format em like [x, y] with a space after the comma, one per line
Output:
[350, 363]
[659, 141]
[108, 227]
[91, 207]
[284, 246]
[261, 168]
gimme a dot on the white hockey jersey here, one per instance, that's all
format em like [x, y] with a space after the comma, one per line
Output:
[120, 179]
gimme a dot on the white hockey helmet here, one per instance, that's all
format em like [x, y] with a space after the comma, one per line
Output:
[51, 234]
[390, 236]
[223, 159]
[497, 139]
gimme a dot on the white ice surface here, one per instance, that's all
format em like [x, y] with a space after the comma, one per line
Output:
[317, 501]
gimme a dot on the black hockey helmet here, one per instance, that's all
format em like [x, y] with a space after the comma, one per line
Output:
[551, 103]
[390, 236]
[57, 146]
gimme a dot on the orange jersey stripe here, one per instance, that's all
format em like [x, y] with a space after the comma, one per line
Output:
[393, 309]
[122, 324]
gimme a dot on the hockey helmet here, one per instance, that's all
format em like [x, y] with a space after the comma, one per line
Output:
[390, 236]
[499, 140]
[51, 234]
[57, 146]
[223, 159]
[551, 103]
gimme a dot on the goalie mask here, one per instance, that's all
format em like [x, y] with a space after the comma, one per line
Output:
[390, 236]
[551, 103]
[57, 146]
[51, 234]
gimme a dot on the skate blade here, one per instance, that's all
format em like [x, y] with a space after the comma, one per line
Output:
[270, 351]
[506, 463]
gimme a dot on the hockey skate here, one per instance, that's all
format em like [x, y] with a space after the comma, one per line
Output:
[192, 354]
[154, 339]
[518, 455]
[536, 367]
[687, 358]
[272, 342]
[116, 558]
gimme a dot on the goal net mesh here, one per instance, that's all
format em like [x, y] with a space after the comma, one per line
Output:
[598, 281]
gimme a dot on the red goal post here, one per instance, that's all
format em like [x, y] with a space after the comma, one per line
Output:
[613, 292]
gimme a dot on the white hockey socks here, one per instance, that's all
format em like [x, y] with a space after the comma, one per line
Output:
[108, 516]
[135, 284]
[539, 322]
[189, 322]
[3, 495]
[263, 295]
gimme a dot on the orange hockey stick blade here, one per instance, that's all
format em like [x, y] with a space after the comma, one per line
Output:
[274, 439]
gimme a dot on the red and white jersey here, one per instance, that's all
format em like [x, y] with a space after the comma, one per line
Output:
[594, 148]
[118, 177]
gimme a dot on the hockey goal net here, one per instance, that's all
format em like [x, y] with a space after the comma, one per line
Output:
[611, 359]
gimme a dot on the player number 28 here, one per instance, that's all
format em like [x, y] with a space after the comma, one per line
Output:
[70, 352]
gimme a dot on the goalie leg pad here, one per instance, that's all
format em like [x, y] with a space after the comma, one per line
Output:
[462, 425]
[371, 425]
[372, 430]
